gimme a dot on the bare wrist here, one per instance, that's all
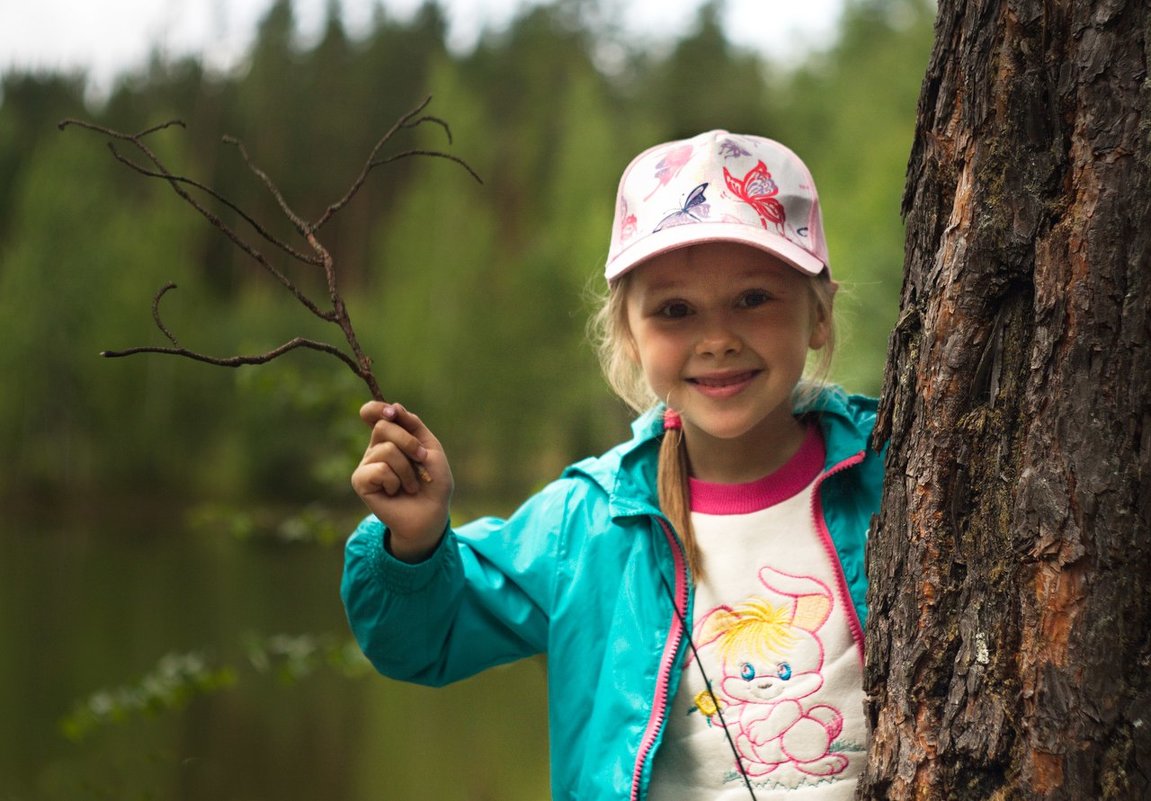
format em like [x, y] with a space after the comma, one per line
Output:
[413, 549]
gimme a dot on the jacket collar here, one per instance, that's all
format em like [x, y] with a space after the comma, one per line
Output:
[628, 471]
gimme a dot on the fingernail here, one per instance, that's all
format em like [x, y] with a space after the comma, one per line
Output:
[389, 412]
[421, 453]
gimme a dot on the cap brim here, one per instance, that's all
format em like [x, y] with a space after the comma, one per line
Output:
[682, 236]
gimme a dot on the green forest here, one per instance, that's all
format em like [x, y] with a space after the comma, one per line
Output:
[471, 299]
[169, 552]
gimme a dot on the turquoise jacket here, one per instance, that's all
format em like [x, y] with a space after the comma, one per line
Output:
[585, 571]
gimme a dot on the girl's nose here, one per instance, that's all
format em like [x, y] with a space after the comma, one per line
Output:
[718, 340]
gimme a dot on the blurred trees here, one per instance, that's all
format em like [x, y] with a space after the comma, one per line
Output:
[471, 299]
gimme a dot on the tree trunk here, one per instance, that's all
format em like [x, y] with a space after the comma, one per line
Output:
[1009, 638]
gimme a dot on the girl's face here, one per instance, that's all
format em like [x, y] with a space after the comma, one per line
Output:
[722, 332]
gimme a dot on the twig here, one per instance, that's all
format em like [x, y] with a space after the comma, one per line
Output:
[431, 154]
[371, 163]
[358, 362]
[229, 361]
[294, 218]
[337, 312]
[295, 254]
[156, 313]
[236, 361]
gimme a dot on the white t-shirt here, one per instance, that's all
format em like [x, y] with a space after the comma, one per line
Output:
[778, 638]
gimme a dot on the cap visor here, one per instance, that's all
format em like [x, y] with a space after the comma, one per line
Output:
[682, 236]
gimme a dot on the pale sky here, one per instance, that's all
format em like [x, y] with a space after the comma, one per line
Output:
[106, 37]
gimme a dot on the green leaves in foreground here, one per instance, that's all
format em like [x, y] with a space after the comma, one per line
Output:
[180, 678]
[177, 679]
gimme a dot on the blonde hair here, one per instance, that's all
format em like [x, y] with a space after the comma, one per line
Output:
[620, 364]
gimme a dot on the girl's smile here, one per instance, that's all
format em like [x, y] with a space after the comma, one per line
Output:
[724, 384]
[722, 332]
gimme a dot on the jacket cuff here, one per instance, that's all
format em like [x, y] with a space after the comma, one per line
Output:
[402, 578]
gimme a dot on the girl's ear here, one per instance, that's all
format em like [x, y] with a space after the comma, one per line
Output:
[821, 330]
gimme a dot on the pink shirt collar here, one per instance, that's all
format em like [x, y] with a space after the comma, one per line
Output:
[741, 499]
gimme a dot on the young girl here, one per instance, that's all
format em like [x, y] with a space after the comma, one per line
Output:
[700, 588]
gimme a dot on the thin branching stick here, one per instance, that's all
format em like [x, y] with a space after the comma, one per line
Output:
[259, 229]
[409, 120]
[177, 183]
[226, 361]
[336, 311]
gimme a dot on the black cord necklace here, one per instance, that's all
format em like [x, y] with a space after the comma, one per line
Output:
[707, 686]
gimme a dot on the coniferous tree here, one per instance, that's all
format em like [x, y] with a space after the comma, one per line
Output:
[1010, 605]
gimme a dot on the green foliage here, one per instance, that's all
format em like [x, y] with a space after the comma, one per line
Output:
[470, 298]
[310, 524]
[292, 658]
[176, 680]
[179, 678]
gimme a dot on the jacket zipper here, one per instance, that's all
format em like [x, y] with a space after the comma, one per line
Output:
[670, 649]
[829, 547]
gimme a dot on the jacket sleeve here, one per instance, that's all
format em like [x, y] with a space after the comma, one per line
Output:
[483, 597]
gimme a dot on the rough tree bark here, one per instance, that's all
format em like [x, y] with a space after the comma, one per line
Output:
[1009, 640]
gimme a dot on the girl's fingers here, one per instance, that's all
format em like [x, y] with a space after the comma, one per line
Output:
[387, 432]
[393, 423]
[369, 479]
[398, 462]
[375, 412]
[372, 411]
[395, 412]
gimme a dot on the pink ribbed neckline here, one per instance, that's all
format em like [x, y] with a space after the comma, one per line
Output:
[740, 499]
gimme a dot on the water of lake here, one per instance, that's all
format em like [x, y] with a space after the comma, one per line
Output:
[85, 611]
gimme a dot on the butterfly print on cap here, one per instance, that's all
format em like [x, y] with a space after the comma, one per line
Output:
[758, 190]
[669, 166]
[695, 209]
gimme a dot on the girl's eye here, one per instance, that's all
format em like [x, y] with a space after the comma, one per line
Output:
[747, 671]
[783, 670]
[674, 310]
[753, 298]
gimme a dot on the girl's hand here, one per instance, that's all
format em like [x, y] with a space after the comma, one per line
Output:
[414, 509]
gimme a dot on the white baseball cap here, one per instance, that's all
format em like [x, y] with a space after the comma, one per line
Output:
[717, 187]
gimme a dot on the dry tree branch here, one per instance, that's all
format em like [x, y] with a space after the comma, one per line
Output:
[177, 182]
[156, 314]
[406, 121]
[259, 229]
[238, 361]
[229, 361]
[294, 218]
[337, 312]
